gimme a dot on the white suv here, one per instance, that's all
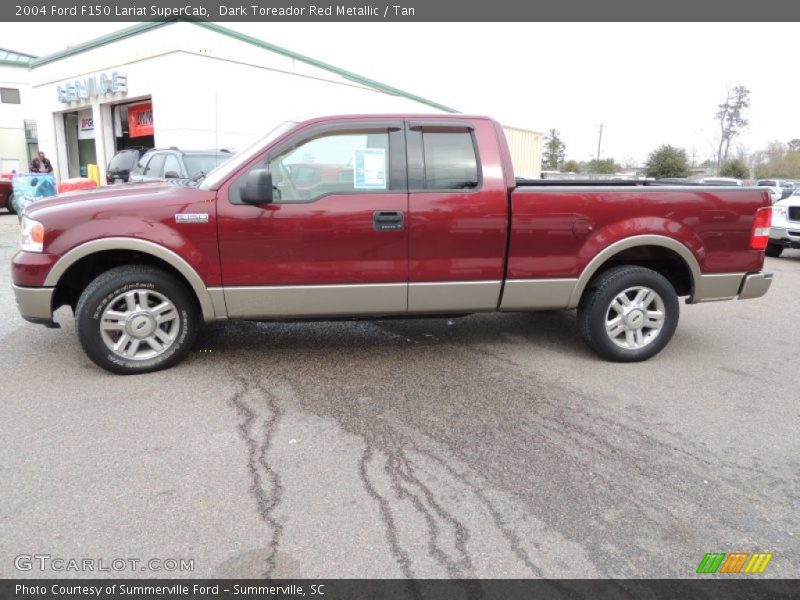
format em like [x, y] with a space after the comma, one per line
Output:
[778, 188]
[785, 230]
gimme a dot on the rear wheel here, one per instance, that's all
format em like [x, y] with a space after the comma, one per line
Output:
[628, 314]
[773, 250]
[10, 205]
[136, 319]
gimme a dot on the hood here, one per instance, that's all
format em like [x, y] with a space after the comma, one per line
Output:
[124, 196]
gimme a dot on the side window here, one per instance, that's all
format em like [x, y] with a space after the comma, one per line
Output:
[336, 163]
[155, 168]
[171, 164]
[450, 160]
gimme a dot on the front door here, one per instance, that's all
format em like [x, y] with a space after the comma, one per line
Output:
[334, 241]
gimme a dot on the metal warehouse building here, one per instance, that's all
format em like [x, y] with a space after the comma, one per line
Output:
[193, 85]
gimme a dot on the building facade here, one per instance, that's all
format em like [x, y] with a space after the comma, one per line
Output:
[17, 128]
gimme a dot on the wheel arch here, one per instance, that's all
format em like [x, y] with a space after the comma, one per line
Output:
[606, 257]
[93, 251]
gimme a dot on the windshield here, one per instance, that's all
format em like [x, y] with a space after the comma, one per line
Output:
[218, 175]
[204, 163]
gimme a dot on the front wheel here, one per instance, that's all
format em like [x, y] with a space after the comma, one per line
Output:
[773, 250]
[628, 314]
[136, 319]
[10, 205]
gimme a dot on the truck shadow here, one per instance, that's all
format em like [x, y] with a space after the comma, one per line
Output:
[551, 330]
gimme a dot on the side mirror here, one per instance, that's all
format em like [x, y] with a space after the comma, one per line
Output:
[258, 187]
[171, 175]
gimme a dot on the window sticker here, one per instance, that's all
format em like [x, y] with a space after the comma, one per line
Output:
[370, 169]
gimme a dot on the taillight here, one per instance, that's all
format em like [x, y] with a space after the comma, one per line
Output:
[761, 224]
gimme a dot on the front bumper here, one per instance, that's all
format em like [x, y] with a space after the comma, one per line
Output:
[788, 237]
[35, 304]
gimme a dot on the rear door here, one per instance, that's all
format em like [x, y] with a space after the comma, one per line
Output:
[332, 244]
[458, 216]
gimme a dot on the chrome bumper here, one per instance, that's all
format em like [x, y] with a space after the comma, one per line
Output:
[755, 285]
[35, 304]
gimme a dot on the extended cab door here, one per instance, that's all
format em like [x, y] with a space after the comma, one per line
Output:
[335, 239]
[458, 208]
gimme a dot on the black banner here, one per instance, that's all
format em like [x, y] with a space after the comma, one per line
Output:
[398, 10]
[396, 589]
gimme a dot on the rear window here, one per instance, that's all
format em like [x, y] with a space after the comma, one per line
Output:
[450, 161]
[203, 163]
[767, 183]
[123, 161]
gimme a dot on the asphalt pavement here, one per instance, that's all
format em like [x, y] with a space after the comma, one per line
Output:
[484, 446]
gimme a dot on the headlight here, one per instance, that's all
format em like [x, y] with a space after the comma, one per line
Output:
[779, 210]
[31, 235]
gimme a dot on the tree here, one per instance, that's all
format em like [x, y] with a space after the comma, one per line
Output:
[731, 120]
[605, 166]
[794, 145]
[554, 151]
[571, 166]
[667, 161]
[735, 168]
[777, 161]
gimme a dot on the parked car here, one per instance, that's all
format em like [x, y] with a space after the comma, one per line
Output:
[172, 163]
[122, 163]
[779, 188]
[423, 227]
[7, 195]
[720, 181]
[785, 230]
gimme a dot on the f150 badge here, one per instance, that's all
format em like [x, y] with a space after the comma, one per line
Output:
[191, 218]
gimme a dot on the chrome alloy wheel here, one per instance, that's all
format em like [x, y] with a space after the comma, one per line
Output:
[139, 324]
[635, 317]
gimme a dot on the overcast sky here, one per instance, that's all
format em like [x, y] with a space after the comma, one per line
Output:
[648, 83]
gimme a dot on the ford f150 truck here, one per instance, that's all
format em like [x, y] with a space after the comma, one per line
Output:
[417, 215]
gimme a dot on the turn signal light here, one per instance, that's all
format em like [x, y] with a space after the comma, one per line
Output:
[761, 224]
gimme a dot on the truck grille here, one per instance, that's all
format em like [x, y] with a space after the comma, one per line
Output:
[794, 213]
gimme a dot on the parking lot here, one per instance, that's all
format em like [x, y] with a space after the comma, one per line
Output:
[486, 446]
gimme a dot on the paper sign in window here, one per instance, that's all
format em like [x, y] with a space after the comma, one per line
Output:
[370, 169]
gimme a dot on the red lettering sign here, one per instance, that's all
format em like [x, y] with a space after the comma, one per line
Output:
[140, 120]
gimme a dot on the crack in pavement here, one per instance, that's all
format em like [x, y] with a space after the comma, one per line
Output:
[265, 486]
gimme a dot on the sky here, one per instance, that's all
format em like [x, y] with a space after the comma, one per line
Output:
[648, 83]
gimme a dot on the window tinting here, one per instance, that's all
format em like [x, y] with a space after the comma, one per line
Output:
[450, 162]
[9, 95]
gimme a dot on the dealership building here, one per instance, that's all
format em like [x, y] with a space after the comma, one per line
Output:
[192, 85]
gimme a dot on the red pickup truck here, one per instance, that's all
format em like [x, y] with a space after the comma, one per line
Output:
[423, 217]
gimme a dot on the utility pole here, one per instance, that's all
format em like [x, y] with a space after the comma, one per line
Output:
[599, 141]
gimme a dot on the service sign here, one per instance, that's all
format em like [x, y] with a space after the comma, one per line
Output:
[93, 86]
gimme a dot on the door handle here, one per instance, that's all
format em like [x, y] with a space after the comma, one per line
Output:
[388, 220]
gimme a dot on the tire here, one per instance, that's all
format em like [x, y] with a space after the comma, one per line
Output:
[147, 305]
[10, 205]
[773, 250]
[599, 319]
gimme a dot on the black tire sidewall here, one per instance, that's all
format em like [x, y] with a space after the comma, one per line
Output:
[110, 285]
[773, 250]
[10, 205]
[608, 287]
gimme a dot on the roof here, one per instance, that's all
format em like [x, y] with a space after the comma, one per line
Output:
[144, 27]
[14, 58]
